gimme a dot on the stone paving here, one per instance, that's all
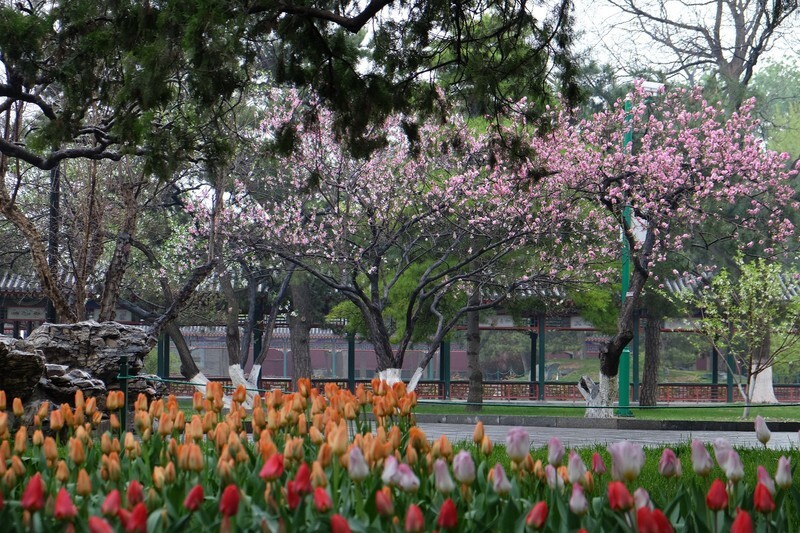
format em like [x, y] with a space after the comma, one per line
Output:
[583, 437]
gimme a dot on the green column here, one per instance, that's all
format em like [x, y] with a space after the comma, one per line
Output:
[541, 320]
[714, 373]
[636, 357]
[444, 367]
[624, 374]
[532, 364]
[351, 362]
[729, 377]
[162, 365]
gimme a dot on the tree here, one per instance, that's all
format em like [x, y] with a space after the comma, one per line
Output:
[736, 311]
[687, 165]
[725, 37]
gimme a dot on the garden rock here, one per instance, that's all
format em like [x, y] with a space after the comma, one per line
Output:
[21, 366]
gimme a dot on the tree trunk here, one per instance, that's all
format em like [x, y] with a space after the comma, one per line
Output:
[760, 382]
[300, 329]
[475, 391]
[189, 368]
[121, 255]
[652, 361]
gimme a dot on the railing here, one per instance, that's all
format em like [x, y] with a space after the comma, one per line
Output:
[525, 390]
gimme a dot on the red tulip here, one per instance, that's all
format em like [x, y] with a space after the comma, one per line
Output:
[415, 521]
[652, 521]
[339, 524]
[111, 504]
[64, 509]
[135, 493]
[273, 468]
[1, 501]
[322, 500]
[229, 501]
[762, 499]
[743, 523]
[537, 516]
[99, 525]
[717, 497]
[618, 496]
[292, 495]
[134, 521]
[33, 497]
[194, 499]
[302, 479]
[448, 516]
[383, 502]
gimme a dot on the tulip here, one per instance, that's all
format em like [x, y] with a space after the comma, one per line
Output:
[17, 407]
[273, 468]
[575, 467]
[99, 525]
[83, 485]
[302, 479]
[112, 503]
[721, 449]
[464, 467]
[652, 521]
[553, 480]
[21, 440]
[33, 497]
[555, 451]
[135, 493]
[641, 498]
[619, 499]
[762, 499]
[292, 495]
[477, 434]
[717, 497]
[405, 478]
[322, 500]
[442, 480]
[383, 502]
[134, 521]
[701, 459]
[742, 523]
[762, 431]
[194, 499]
[499, 479]
[448, 515]
[415, 521]
[537, 516]
[598, 465]
[783, 476]
[627, 459]
[229, 501]
[357, 467]
[64, 509]
[578, 503]
[318, 477]
[765, 479]
[3, 400]
[669, 465]
[732, 465]
[486, 445]
[518, 444]
[339, 524]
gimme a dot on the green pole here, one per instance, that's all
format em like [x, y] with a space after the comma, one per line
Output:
[636, 358]
[351, 362]
[532, 364]
[541, 319]
[624, 374]
[729, 377]
[444, 367]
[123, 381]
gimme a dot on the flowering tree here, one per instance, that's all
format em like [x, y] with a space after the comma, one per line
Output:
[437, 207]
[687, 166]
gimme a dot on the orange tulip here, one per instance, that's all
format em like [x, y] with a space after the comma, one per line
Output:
[83, 486]
[18, 409]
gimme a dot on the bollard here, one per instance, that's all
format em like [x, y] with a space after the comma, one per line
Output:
[123, 382]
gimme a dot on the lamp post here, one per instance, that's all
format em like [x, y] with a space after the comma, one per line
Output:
[624, 374]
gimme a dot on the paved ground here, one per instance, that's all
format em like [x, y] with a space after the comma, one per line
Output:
[580, 437]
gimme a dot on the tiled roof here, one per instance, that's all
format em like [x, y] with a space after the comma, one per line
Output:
[12, 283]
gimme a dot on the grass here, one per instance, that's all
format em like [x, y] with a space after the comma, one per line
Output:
[724, 412]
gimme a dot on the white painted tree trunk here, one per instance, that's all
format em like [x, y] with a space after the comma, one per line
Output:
[761, 387]
[237, 378]
[390, 375]
[412, 385]
[601, 405]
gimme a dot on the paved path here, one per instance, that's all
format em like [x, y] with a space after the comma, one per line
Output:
[576, 438]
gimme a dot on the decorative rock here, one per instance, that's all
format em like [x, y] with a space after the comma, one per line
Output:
[147, 384]
[60, 386]
[21, 366]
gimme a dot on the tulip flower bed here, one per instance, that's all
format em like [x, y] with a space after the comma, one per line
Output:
[316, 462]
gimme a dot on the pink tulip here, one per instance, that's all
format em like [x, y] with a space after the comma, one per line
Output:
[641, 498]
[783, 476]
[765, 479]
[500, 482]
[762, 431]
[733, 467]
[669, 465]
[575, 467]
[554, 481]
[441, 477]
[405, 478]
[464, 467]
[627, 459]
[721, 449]
[518, 444]
[555, 451]
[389, 469]
[578, 503]
[701, 459]
[357, 466]
[598, 465]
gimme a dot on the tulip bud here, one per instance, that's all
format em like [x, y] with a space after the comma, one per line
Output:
[486, 445]
[357, 467]
[33, 497]
[701, 459]
[21, 440]
[669, 465]
[415, 520]
[442, 479]
[499, 479]
[578, 503]
[383, 502]
[763, 433]
[2, 400]
[83, 486]
[575, 467]
[537, 517]
[518, 443]
[783, 476]
[18, 409]
[62, 472]
[464, 467]
[77, 454]
[717, 496]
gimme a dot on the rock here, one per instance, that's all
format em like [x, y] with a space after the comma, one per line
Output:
[60, 384]
[147, 384]
[93, 347]
[21, 366]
